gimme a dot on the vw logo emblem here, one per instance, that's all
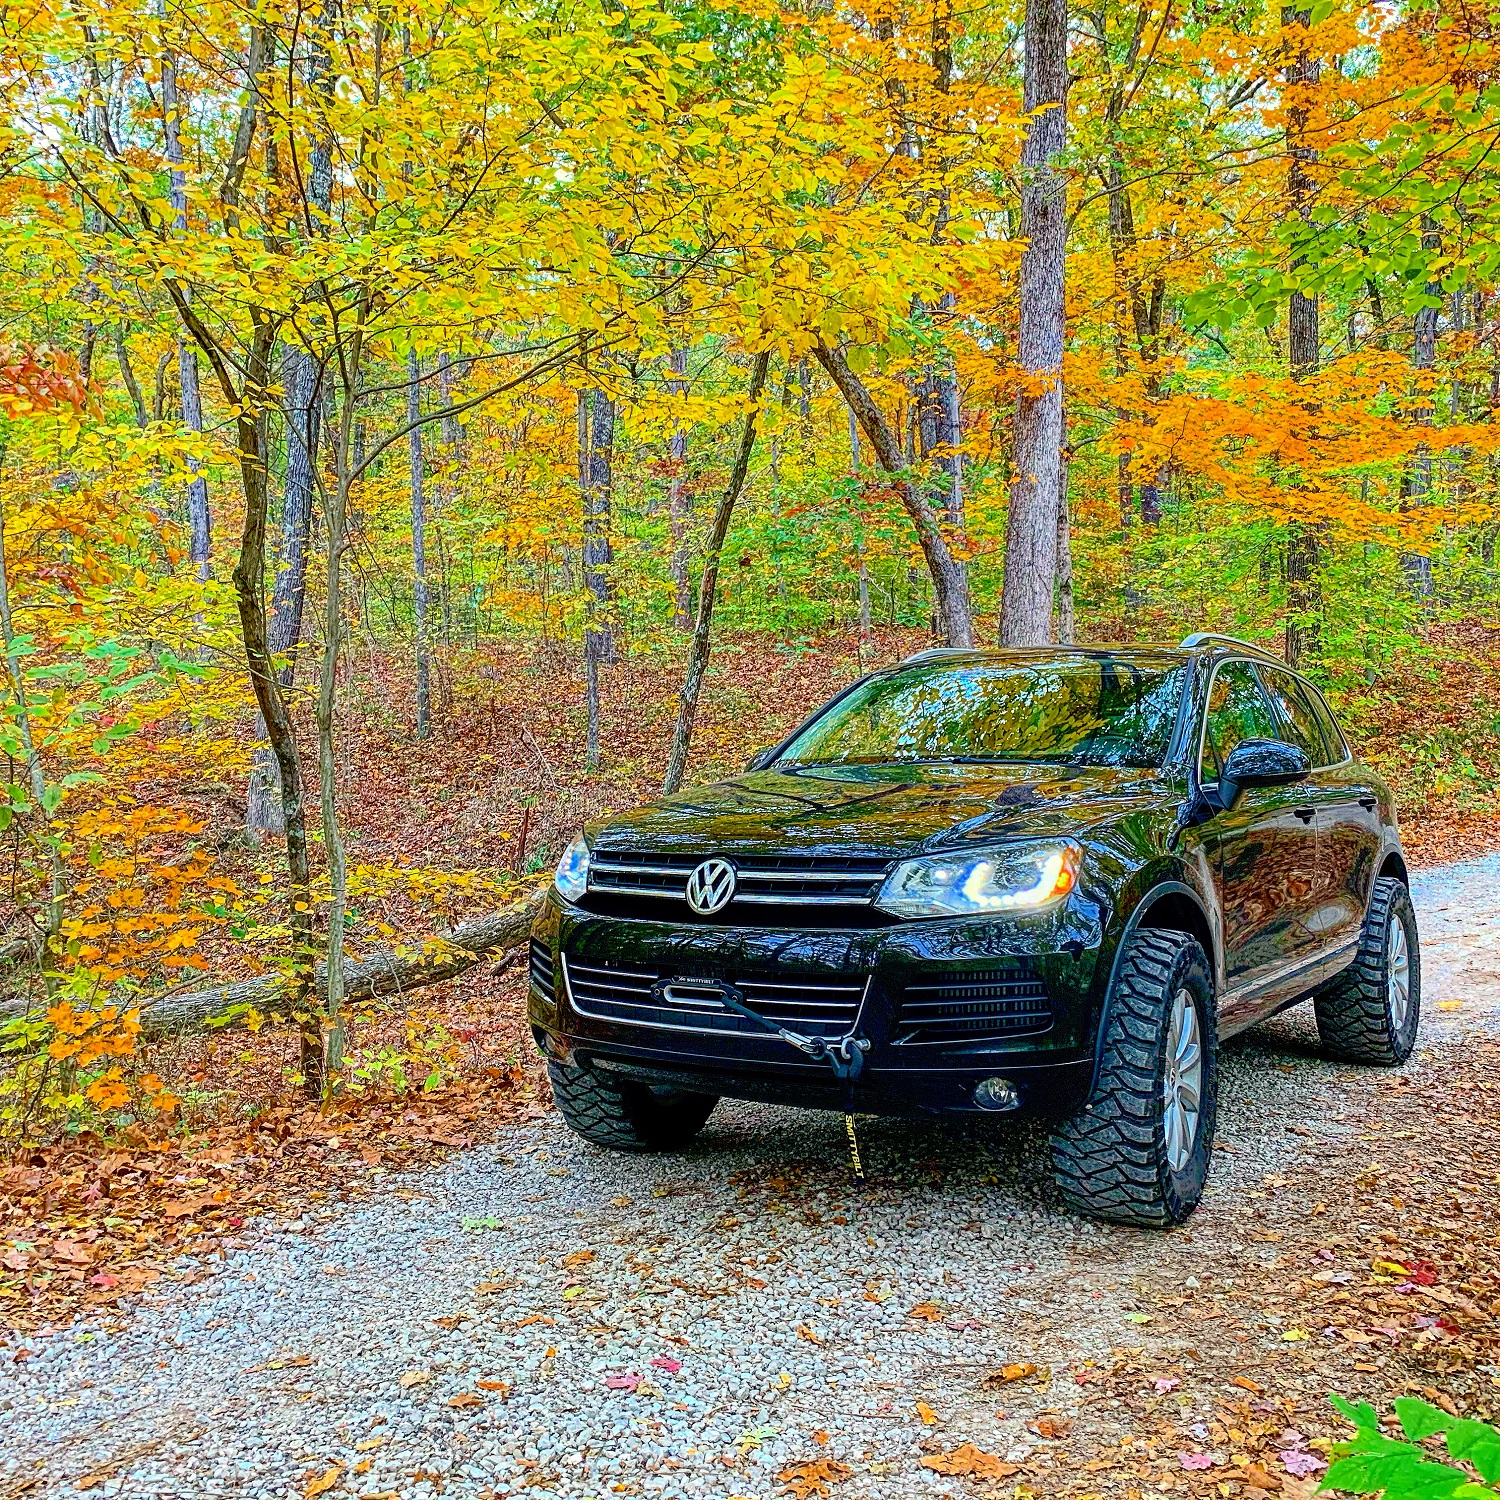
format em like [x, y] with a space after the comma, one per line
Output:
[710, 887]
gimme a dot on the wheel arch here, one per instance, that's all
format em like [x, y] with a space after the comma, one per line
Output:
[1393, 867]
[1168, 905]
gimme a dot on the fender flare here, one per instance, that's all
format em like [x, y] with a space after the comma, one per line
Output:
[1142, 907]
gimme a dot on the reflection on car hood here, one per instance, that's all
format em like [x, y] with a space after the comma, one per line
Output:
[887, 810]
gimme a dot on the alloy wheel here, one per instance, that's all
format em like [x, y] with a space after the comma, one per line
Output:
[1398, 974]
[1182, 1084]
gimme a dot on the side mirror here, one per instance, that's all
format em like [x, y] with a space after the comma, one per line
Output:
[1261, 763]
[762, 758]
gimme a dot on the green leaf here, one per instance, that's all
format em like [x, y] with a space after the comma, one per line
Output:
[1420, 1419]
[1477, 1442]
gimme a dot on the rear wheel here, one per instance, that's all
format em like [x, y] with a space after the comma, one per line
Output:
[626, 1115]
[1138, 1151]
[1371, 1012]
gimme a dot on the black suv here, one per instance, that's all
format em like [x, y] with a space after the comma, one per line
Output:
[981, 881]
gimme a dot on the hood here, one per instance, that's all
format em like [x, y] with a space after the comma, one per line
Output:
[892, 811]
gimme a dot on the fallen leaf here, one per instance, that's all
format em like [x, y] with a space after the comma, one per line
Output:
[1295, 1335]
[1007, 1373]
[415, 1377]
[1050, 1427]
[820, 1436]
[925, 1412]
[1139, 1317]
[972, 1461]
[814, 1477]
[806, 1333]
[1246, 1384]
[618, 1382]
[370, 1444]
[578, 1258]
[927, 1312]
[494, 1385]
[1301, 1463]
[535, 1318]
[667, 1363]
[451, 1321]
[465, 1398]
[317, 1483]
[489, 1288]
[1195, 1460]
[1165, 1383]
[1256, 1477]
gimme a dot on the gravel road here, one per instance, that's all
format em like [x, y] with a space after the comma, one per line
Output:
[543, 1315]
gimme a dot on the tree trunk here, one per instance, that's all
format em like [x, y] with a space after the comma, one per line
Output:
[200, 524]
[596, 437]
[950, 576]
[1416, 488]
[1066, 626]
[419, 543]
[1304, 348]
[381, 974]
[679, 501]
[1031, 526]
[687, 709]
[127, 374]
[41, 809]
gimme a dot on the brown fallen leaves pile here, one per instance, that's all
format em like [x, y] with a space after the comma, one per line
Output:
[86, 1223]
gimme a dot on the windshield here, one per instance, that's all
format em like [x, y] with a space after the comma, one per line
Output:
[1093, 711]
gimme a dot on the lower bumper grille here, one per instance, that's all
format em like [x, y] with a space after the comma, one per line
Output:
[996, 1002]
[819, 1006]
[543, 975]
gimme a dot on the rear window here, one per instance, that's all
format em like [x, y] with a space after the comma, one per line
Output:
[1091, 712]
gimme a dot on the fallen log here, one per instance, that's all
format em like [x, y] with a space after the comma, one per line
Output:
[437, 959]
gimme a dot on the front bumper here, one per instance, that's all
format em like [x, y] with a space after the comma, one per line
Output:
[891, 974]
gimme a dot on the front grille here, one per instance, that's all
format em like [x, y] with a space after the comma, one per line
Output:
[818, 1006]
[996, 1002]
[760, 879]
[542, 973]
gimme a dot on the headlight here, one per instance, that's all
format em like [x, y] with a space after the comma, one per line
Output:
[1020, 877]
[572, 878]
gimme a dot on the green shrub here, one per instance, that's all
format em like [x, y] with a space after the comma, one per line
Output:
[1370, 1461]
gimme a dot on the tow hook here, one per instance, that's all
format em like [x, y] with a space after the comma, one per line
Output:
[846, 1056]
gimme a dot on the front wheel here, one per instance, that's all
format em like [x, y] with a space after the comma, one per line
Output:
[624, 1114]
[1370, 1013]
[1138, 1151]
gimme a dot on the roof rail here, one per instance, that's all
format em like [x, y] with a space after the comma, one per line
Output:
[933, 651]
[1207, 637]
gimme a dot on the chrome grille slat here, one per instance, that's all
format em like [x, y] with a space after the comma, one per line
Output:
[814, 1006]
[761, 879]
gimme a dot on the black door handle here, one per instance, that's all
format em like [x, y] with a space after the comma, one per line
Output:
[1305, 813]
[1368, 803]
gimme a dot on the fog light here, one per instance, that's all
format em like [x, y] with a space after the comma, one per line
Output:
[997, 1095]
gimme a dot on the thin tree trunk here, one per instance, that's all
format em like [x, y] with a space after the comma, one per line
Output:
[1031, 525]
[41, 809]
[679, 501]
[687, 709]
[950, 578]
[596, 436]
[1066, 629]
[864, 572]
[332, 1028]
[127, 374]
[200, 524]
[419, 543]
[1304, 348]
[1416, 489]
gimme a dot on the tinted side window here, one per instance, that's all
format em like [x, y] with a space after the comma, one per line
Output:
[1237, 710]
[1302, 728]
[1338, 749]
